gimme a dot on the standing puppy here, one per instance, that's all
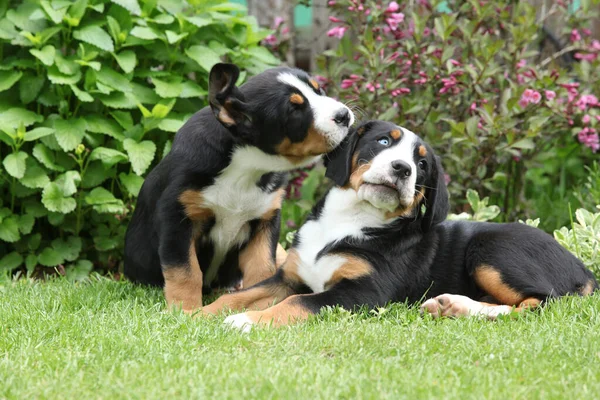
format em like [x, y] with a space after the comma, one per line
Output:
[369, 242]
[210, 210]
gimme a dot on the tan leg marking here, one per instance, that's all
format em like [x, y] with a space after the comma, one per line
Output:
[280, 255]
[259, 297]
[183, 284]
[353, 268]
[192, 202]
[588, 289]
[489, 279]
[452, 305]
[287, 312]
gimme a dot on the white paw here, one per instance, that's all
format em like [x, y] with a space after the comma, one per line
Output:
[239, 321]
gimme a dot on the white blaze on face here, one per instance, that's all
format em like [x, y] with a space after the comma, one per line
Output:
[381, 171]
[323, 108]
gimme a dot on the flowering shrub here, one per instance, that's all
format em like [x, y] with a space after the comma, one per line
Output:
[472, 80]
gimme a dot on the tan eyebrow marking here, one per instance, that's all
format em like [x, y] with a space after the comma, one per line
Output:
[395, 134]
[314, 84]
[422, 151]
[296, 99]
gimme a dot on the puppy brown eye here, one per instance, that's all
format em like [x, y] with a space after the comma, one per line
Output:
[422, 164]
[384, 141]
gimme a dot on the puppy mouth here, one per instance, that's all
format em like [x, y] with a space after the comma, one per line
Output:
[383, 185]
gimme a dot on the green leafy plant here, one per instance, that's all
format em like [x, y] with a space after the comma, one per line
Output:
[511, 121]
[480, 210]
[583, 238]
[92, 92]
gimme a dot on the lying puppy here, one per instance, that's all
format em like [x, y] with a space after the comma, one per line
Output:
[210, 210]
[368, 242]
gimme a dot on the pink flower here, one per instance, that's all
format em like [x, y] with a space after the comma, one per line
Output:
[400, 91]
[278, 21]
[586, 119]
[334, 19]
[529, 96]
[586, 57]
[371, 87]
[473, 107]
[290, 223]
[575, 36]
[337, 32]
[394, 20]
[454, 62]
[347, 83]
[331, 3]
[587, 100]
[586, 31]
[595, 45]
[550, 94]
[521, 63]
[270, 40]
[392, 7]
[589, 138]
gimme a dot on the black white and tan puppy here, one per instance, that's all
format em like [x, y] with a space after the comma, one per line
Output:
[208, 214]
[369, 242]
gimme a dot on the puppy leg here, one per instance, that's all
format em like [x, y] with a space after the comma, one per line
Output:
[348, 294]
[178, 259]
[257, 259]
[454, 305]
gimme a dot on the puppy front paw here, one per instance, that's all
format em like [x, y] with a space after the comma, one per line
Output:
[241, 322]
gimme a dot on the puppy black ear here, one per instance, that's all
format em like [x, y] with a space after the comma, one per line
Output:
[226, 100]
[339, 161]
[437, 204]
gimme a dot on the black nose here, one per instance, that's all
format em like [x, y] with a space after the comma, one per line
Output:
[342, 117]
[401, 169]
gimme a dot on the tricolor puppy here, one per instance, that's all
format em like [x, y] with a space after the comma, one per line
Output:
[369, 242]
[209, 213]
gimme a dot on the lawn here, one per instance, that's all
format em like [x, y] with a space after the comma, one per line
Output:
[107, 339]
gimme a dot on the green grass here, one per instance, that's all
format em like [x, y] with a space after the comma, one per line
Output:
[106, 339]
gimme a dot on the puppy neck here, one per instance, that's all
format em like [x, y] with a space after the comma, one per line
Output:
[252, 159]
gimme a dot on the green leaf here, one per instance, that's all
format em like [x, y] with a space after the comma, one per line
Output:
[173, 37]
[11, 261]
[163, 108]
[54, 200]
[8, 79]
[126, 60]
[15, 164]
[66, 66]
[204, 56]
[262, 54]
[199, 21]
[167, 89]
[34, 241]
[35, 176]
[132, 182]
[140, 154]
[130, 5]
[9, 230]
[30, 86]
[118, 100]
[123, 118]
[98, 124]
[191, 89]
[68, 249]
[58, 78]
[170, 125]
[167, 148]
[79, 271]
[50, 257]
[26, 222]
[163, 19]
[31, 262]
[113, 79]
[69, 133]
[55, 14]
[95, 36]
[45, 55]
[144, 94]
[68, 182]
[13, 117]
[108, 157]
[525, 143]
[81, 95]
[95, 174]
[77, 11]
[46, 156]
[103, 201]
[143, 32]
[473, 199]
[37, 133]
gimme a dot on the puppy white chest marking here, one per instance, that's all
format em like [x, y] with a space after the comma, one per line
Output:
[235, 199]
[342, 215]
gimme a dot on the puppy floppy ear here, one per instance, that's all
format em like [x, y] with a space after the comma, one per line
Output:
[437, 203]
[226, 100]
[339, 161]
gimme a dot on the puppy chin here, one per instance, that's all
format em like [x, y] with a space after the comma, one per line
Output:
[380, 197]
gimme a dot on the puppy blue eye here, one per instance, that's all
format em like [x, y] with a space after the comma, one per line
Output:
[384, 141]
